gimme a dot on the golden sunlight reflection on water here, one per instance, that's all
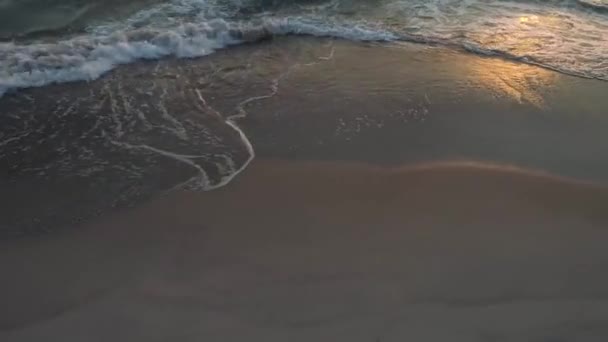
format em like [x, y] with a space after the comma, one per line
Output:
[521, 82]
[528, 19]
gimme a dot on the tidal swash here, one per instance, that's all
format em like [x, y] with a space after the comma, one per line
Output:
[62, 42]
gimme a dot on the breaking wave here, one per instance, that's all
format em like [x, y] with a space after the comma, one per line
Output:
[553, 34]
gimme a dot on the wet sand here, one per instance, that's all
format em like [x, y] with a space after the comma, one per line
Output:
[88, 149]
[361, 218]
[326, 251]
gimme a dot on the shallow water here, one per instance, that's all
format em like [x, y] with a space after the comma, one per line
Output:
[563, 35]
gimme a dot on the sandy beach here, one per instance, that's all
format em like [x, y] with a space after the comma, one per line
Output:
[325, 251]
[399, 192]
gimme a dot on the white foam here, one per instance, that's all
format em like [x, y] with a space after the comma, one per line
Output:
[233, 171]
[321, 27]
[87, 58]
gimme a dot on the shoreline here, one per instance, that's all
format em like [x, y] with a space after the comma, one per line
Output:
[150, 127]
[338, 250]
[362, 190]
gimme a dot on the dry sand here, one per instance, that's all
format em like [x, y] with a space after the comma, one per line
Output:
[327, 251]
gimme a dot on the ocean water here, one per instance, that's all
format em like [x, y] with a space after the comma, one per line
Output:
[46, 42]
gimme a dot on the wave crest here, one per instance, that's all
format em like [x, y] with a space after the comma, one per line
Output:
[85, 59]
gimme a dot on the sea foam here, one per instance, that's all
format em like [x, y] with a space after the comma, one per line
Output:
[549, 35]
[87, 58]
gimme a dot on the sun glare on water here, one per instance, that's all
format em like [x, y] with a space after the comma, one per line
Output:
[528, 19]
[521, 82]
